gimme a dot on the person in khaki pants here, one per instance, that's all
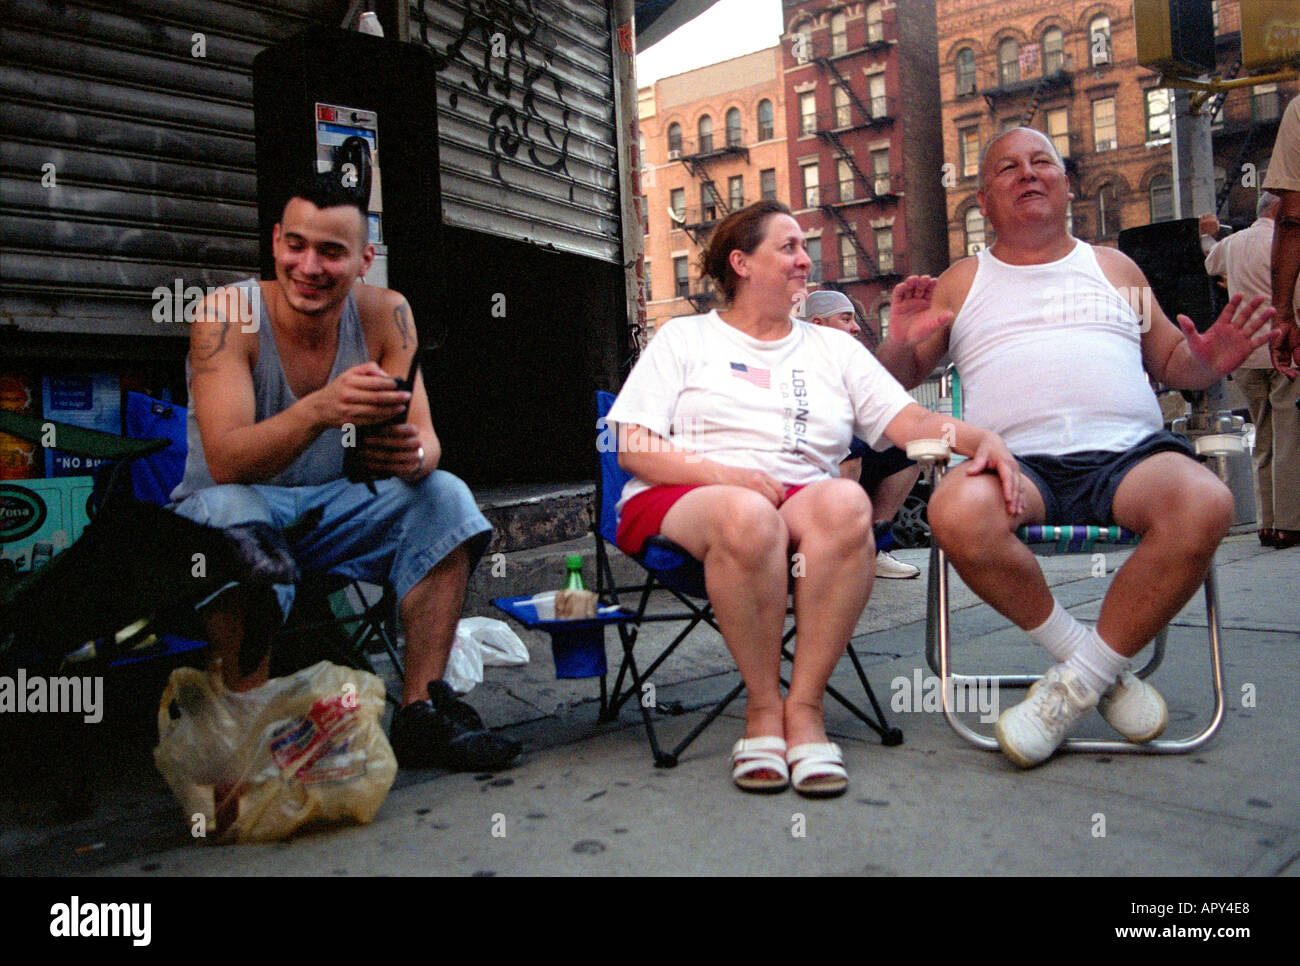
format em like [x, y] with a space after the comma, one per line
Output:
[1245, 259]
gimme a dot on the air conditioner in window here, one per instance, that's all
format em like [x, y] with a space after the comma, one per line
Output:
[674, 154]
[1107, 145]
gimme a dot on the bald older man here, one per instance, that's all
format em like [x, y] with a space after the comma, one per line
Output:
[1054, 358]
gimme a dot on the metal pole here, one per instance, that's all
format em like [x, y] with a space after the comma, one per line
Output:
[627, 118]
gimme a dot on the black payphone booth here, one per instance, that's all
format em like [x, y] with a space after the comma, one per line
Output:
[322, 96]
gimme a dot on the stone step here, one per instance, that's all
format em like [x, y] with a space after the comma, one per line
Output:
[534, 515]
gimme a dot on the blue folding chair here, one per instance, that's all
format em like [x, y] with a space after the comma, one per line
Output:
[1045, 540]
[670, 568]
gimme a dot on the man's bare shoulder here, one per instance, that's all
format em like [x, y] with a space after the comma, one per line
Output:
[954, 284]
[225, 326]
[1118, 267]
[386, 316]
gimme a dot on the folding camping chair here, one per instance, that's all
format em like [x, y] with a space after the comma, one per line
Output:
[933, 455]
[669, 568]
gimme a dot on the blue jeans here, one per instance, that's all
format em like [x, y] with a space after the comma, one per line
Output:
[395, 536]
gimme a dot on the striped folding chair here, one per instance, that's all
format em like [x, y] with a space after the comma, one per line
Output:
[933, 455]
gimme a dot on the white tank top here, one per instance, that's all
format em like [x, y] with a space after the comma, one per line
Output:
[1050, 357]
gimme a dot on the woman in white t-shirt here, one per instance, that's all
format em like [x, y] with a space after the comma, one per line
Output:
[733, 424]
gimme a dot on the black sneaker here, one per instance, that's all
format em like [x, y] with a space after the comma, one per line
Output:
[445, 732]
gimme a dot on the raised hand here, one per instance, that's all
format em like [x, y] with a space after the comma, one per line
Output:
[912, 318]
[1236, 333]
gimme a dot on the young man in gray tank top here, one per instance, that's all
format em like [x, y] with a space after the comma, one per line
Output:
[284, 374]
[1031, 316]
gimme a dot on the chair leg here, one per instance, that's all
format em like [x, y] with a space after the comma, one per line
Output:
[1166, 746]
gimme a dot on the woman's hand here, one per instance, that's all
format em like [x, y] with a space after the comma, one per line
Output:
[992, 454]
[755, 480]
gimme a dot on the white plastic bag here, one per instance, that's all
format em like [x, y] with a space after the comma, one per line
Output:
[480, 642]
[253, 766]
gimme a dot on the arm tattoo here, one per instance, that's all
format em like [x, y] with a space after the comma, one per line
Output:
[403, 323]
[206, 352]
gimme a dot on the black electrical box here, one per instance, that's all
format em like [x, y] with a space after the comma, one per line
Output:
[319, 95]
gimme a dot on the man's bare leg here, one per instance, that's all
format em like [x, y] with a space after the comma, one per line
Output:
[969, 519]
[224, 621]
[1182, 511]
[430, 611]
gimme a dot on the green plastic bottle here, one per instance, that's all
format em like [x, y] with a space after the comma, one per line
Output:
[573, 572]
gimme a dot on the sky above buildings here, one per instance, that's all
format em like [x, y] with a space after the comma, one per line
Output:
[727, 29]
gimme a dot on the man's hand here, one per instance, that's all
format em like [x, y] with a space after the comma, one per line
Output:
[755, 480]
[1236, 333]
[1285, 350]
[394, 451]
[1209, 225]
[993, 454]
[364, 395]
[912, 318]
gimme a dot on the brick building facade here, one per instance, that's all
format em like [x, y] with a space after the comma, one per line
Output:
[713, 140]
[861, 109]
[1069, 68]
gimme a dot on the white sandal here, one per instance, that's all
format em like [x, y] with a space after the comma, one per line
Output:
[752, 755]
[817, 769]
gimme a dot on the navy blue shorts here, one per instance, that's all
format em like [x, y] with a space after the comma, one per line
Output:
[1079, 488]
[877, 466]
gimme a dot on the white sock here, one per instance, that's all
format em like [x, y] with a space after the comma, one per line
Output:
[1061, 634]
[1097, 663]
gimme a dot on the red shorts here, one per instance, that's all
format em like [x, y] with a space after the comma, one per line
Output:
[643, 515]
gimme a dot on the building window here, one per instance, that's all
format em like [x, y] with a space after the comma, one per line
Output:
[876, 91]
[1069, 217]
[1214, 14]
[1058, 129]
[736, 192]
[649, 295]
[883, 315]
[803, 42]
[640, 147]
[1053, 50]
[1008, 61]
[844, 170]
[848, 257]
[839, 33]
[733, 127]
[706, 134]
[885, 250]
[674, 140]
[645, 214]
[1157, 101]
[969, 141]
[1103, 124]
[767, 183]
[807, 113]
[843, 109]
[1162, 198]
[811, 190]
[875, 23]
[1265, 103]
[1107, 211]
[974, 231]
[708, 202]
[880, 171]
[1009, 123]
[814, 248]
[677, 202]
[765, 129]
[681, 278]
[965, 71]
[1099, 41]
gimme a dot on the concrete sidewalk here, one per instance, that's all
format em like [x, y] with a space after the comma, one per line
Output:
[586, 799]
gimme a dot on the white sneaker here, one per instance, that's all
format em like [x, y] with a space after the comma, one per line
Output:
[1033, 729]
[1134, 709]
[889, 566]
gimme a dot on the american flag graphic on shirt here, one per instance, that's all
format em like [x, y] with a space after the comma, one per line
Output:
[759, 377]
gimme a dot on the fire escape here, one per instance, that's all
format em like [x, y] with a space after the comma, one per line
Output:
[699, 222]
[854, 115]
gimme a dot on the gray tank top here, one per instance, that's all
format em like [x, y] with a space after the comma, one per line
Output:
[322, 461]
